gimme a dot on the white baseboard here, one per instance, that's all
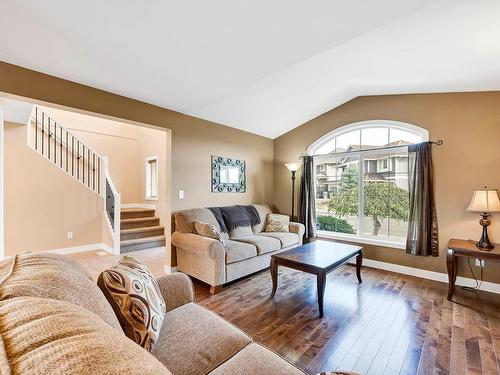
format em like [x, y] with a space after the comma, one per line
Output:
[108, 249]
[430, 275]
[169, 269]
[139, 205]
[81, 249]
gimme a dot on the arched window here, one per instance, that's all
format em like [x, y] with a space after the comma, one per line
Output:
[361, 181]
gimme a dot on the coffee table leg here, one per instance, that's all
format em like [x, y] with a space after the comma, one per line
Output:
[321, 280]
[274, 275]
[359, 262]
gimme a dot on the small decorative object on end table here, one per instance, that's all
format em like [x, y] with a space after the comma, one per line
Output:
[465, 249]
[319, 258]
[485, 201]
[293, 167]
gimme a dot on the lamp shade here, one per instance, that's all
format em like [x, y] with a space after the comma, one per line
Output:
[484, 200]
[292, 167]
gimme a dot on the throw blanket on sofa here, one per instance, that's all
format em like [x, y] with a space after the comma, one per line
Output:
[230, 217]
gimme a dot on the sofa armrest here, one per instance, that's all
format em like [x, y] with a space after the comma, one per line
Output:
[176, 289]
[200, 245]
[298, 229]
[201, 257]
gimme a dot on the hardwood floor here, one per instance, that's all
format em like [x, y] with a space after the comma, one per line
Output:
[389, 324]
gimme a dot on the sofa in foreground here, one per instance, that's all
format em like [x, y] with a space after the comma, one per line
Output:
[55, 320]
[247, 249]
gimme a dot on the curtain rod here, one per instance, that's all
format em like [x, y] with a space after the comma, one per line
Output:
[439, 142]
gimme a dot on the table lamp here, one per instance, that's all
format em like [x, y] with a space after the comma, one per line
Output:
[485, 201]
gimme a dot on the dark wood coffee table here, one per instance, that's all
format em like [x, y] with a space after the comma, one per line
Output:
[319, 258]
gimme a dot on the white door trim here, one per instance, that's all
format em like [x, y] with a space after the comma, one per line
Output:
[2, 191]
[168, 269]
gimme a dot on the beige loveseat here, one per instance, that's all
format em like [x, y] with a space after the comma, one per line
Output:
[247, 250]
[55, 320]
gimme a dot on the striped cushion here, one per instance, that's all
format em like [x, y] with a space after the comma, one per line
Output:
[208, 230]
[47, 336]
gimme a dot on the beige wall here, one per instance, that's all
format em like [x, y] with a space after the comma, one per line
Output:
[42, 203]
[468, 123]
[193, 140]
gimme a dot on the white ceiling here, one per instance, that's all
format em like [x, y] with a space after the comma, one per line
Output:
[262, 66]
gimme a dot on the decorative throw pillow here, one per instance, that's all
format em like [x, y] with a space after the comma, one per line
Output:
[277, 223]
[135, 297]
[208, 230]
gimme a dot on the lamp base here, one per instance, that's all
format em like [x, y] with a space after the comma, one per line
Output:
[484, 246]
[484, 243]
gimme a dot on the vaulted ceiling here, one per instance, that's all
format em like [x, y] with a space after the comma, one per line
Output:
[261, 66]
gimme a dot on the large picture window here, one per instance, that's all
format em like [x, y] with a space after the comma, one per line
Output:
[361, 181]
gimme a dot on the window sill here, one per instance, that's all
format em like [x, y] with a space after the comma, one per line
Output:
[361, 240]
[151, 198]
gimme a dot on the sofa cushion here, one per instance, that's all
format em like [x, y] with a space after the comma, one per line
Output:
[240, 232]
[184, 220]
[264, 244]
[257, 360]
[134, 295]
[53, 276]
[286, 238]
[46, 336]
[236, 251]
[277, 223]
[263, 210]
[208, 230]
[195, 340]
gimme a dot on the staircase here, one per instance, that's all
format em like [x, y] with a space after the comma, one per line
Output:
[140, 229]
[72, 156]
[131, 228]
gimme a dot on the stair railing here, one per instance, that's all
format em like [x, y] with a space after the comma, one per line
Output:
[112, 204]
[62, 148]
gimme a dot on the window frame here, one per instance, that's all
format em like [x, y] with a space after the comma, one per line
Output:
[361, 155]
[148, 182]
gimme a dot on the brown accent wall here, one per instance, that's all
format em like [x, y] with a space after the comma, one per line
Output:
[468, 123]
[193, 139]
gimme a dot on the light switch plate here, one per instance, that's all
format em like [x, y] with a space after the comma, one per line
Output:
[69, 235]
[181, 194]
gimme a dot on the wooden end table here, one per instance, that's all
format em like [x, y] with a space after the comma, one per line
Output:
[465, 249]
[318, 258]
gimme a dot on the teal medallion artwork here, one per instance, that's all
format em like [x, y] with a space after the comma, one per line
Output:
[228, 175]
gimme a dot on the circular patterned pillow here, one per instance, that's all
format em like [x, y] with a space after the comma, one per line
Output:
[135, 297]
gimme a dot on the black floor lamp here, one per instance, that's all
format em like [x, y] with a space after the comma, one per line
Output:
[293, 167]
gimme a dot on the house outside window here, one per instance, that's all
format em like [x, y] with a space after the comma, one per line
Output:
[152, 178]
[361, 181]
